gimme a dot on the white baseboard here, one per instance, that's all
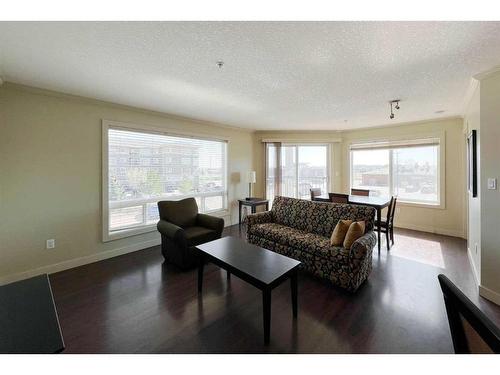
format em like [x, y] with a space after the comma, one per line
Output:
[432, 229]
[76, 262]
[473, 266]
[489, 294]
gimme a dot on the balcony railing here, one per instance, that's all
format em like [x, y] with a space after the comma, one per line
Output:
[291, 187]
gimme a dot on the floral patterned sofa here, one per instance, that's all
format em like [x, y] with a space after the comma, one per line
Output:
[301, 229]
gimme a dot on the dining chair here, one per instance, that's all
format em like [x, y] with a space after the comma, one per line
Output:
[338, 197]
[387, 225]
[363, 192]
[315, 192]
[472, 332]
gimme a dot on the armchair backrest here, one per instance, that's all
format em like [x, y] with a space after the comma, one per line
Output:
[181, 213]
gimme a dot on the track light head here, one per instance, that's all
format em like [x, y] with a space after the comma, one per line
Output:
[393, 104]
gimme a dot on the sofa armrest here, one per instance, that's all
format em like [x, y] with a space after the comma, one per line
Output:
[210, 222]
[170, 230]
[363, 246]
[259, 218]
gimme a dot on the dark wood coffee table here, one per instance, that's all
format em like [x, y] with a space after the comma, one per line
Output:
[260, 267]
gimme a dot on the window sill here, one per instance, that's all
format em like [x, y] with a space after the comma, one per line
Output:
[119, 234]
[439, 206]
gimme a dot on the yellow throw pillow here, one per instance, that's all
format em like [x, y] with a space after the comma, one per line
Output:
[339, 232]
[356, 230]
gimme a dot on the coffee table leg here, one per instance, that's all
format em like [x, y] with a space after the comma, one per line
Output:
[228, 275]
[293, 284]
[266, 304]
[379, 214]
[200, 274]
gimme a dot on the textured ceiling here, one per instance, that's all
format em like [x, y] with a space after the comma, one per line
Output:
[277, 75]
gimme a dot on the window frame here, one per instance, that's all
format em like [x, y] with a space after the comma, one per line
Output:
[408, 141]
[105, 207]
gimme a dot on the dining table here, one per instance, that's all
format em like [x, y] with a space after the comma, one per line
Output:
[378, 203]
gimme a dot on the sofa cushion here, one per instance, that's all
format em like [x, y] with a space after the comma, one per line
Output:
[300, 240]
[356, 230]
[339, 232]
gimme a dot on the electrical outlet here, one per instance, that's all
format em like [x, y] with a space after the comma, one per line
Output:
[50, 244]
[475, 248]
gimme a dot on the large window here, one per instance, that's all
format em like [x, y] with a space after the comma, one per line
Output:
[411, 171]
[292, 170]
[144, 167]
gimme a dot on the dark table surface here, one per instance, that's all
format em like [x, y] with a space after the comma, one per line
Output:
[261, 264]
[381, 202]
[28, 318]
[253, 201]
[377, 202]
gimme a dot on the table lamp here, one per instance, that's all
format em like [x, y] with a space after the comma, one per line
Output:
[251, 177]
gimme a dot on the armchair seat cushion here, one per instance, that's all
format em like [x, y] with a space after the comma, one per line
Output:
[300, 240]
[198, 235]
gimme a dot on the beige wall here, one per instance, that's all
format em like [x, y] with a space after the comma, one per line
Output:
[449, 221]
[472, 121]
[490, 199]
[50, 177]
[483, 114]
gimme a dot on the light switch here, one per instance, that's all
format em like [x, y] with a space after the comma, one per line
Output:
[492, 183]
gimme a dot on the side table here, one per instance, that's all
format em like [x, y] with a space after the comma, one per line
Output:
[252, 203]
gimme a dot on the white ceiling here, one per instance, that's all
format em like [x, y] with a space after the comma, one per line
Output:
[277, 75]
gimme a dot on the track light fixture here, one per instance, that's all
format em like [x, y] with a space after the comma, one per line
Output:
[394, 103]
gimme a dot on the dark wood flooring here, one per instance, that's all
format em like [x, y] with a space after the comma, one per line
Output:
[136, 304]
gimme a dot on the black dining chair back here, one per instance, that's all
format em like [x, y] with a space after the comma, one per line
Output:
[387, 225]
[392, 211]
[315, 192]
[338, 197]
[472, 332]
[362, 192]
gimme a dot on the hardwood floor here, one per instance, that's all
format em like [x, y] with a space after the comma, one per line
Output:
[136, 304]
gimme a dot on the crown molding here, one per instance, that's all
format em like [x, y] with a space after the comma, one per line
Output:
[487, 73]
[473, 85]
[66, 96]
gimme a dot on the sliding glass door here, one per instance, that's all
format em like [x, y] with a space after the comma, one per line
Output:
[312, 169]
[292, 170]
